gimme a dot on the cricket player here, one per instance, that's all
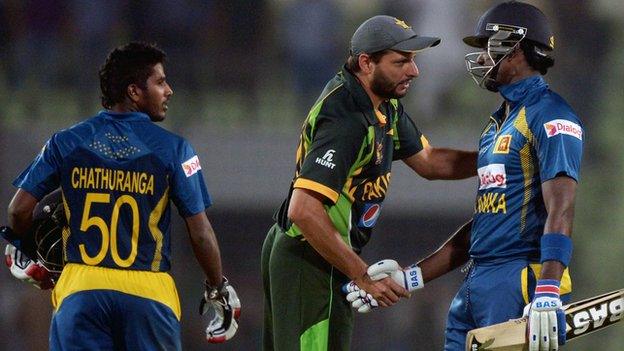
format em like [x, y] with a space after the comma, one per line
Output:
[351, 136]
[518, 242]
[118, 172]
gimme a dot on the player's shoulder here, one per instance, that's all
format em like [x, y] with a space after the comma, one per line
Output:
[165, 144]
[340, 107]
[163, 135]
[75, 133]
[551, 106]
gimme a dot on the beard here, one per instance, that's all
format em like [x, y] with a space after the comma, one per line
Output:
[383, 87]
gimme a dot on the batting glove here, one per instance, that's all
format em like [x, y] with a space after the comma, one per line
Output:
[410, 278]
[224, 302]
[27, 270]
[546, 320]
[359, 299]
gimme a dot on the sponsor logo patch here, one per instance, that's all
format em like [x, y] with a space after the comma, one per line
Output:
[369, 215]
[327, 159]
[492, 176]
[191, 166]
[563, 126]
[502, 144]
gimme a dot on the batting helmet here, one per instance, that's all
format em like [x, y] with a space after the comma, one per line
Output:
[49, 222]
[516, 14]
[500, 31]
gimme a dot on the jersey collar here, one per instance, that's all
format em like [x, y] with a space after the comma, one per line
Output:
[353, 85]
[126, 116]
[518, 91]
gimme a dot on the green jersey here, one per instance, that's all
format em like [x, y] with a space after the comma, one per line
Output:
[345, 153]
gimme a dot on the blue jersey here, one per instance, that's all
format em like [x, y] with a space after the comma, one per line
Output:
[540, 139]
[118, 172]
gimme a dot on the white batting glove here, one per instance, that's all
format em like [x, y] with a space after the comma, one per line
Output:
[360, 300]
[410, 278]
[546, 321]
[363, 302]
[227, 308]
[27, 270]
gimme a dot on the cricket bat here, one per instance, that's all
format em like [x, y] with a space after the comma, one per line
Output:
[582, 318]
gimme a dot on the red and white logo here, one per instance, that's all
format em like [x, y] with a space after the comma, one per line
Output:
[191, 166]
[492, 176]
[563, 126]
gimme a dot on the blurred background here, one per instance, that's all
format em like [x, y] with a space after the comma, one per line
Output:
[244, 74]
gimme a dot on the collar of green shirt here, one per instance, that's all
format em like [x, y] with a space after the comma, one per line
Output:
[353, 85]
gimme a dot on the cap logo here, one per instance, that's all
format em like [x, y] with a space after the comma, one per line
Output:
[401, 24]
[551, 41]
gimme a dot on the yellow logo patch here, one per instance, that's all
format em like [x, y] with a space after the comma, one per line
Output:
[378, 152]
[551, 41]
[502, 144]
[401, 23]
[491, 203]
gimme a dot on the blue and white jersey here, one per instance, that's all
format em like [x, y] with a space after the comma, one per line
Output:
[541, 138]
[118, 172]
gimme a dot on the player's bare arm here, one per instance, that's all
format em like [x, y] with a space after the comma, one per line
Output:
[21, 210]
[559, 194]
[441, 163]
[546, 328]
[307, 212]
[205, 247]
[452, 254]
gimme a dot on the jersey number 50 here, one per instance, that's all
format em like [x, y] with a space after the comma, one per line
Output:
[109, 234]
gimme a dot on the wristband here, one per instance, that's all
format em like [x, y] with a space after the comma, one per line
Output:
[413, 278]
[556, 247]
[547, 287]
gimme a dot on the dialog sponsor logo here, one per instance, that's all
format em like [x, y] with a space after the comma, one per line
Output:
[492, 176]
[562, 126]
[191, 166]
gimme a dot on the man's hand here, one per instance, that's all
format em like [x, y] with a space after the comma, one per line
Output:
[387, 271]
[27, 270]
[546, 320]
[224, 302]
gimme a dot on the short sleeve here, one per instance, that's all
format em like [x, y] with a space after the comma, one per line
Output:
[42, 176]
[188, 189]
[333, 150]
[408, 140]
[559, 145]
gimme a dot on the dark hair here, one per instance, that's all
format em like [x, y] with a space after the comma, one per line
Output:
[537, 56]
[128, 64]
[353, 64]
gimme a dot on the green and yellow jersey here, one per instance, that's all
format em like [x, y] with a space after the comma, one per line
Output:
[345, 153]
